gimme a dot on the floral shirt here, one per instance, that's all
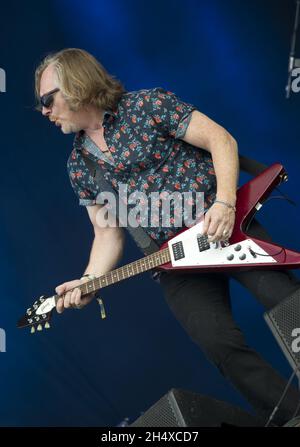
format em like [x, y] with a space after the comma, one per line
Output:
[144, 136]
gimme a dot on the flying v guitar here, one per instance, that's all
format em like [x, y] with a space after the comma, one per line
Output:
[191, 251]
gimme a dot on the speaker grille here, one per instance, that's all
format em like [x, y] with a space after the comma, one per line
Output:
[165, 413]
[293, 423]
[182, 408]
[282, 320]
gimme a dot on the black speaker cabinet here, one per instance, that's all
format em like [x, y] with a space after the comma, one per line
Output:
[284, 322]
[180, 408]
[293, 422]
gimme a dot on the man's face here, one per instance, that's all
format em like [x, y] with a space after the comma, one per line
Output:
[59, 111]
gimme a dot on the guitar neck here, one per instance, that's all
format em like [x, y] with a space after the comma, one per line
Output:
[126, 271]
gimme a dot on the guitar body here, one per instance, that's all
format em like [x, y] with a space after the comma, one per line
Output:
[191, 252]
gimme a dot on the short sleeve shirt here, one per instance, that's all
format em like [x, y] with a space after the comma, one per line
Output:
[144, 136]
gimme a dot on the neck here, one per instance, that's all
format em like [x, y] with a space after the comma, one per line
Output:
[126, 271]
[93, 121]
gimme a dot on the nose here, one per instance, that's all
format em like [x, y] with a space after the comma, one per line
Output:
[46, 111]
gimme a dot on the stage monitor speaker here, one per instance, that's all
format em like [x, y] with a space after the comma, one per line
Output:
[284, 322]
[293, 422]
[181, 408]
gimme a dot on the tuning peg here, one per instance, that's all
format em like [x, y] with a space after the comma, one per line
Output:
[32, 330]
[40, 327]
[47, 325]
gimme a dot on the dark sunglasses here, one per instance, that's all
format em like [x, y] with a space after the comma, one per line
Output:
[47, 99]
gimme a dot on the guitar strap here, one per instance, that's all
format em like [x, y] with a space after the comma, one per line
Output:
[250, 166]
[146, 244]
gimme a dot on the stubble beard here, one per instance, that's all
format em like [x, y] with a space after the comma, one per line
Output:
[68, 128]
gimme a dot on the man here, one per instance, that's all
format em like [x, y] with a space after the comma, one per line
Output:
[147, 139]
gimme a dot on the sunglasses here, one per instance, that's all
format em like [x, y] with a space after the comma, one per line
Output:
[47, 99]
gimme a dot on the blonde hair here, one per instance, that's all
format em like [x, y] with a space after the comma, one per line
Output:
[82, 80]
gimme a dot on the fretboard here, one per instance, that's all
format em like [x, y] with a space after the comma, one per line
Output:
[126, 271]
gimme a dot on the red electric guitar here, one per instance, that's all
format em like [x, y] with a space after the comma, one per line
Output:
[191, 251]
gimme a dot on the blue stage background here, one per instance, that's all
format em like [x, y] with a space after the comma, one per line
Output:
[229, 58]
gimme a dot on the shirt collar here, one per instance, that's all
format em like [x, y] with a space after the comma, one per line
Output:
[109, 116]
[113, 113]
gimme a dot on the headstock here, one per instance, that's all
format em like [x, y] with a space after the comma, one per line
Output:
[39, 315]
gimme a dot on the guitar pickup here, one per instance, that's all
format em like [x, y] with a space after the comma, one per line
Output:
[203, 243]
[178, 250]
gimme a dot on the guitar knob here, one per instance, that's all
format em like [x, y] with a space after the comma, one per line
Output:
[47, 325]
[242, 257]
[238, 247]
[230, 257]
[40, 327]
[32, 330]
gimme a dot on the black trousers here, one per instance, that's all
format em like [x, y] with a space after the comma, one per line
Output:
[201, 303]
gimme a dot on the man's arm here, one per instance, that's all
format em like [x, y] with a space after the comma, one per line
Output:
[107, 248]
[204, 133]
[106, 252]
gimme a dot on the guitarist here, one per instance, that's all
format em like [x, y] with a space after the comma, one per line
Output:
[151, 138]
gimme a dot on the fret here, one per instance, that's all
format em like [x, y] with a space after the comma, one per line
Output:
[109, 278]
[98, 283]
[90, 286]
[133, 268]
[115, 275]
[120, 274]
[95, 284]
[137, 267]
[140, 265]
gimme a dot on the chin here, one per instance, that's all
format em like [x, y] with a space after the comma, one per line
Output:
[66, 129]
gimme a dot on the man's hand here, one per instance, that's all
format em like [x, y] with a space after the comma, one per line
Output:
[72, 298]
[219, 222]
